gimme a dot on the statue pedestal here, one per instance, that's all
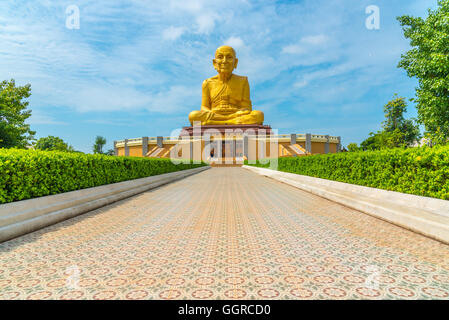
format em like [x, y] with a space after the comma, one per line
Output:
[252, 129]
[228, 142]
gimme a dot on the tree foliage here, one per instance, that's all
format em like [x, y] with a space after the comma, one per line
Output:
[428, 61]
[352, 147]
[396, 130]
[52, 143]
[14, 132]
[99, 144]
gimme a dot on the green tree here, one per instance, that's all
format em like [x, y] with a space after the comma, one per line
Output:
[52, 143]
[14, 132]
[353, 147]
[428, 61]
[396, 130]
[110, 152]
[99, 144]
[371, 143]
[394, 114]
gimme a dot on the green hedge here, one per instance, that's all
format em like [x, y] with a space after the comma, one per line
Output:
[28, 174]
[422, 171]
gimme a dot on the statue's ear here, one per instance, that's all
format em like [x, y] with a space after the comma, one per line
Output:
[236, 63]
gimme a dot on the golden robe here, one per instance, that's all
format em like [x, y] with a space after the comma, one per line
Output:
[226, 103]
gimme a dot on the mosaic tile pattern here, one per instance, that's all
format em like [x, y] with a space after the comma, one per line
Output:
[225, 233]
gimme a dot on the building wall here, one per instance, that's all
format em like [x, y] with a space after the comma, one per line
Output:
[166, 153]
[317, 148]
[135, 151]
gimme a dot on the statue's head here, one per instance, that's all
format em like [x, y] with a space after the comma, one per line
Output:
[225, 60]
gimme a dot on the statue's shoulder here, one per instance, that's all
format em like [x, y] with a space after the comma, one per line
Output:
[241, 81]
[210, 80]
[239, 78]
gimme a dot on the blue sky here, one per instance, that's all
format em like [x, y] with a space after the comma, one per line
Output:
[134, 68]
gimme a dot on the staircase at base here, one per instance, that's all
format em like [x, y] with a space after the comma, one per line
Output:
[226, 165]
[226, 162]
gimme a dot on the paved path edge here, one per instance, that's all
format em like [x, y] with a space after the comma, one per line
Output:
[22, 217]
[424, 215]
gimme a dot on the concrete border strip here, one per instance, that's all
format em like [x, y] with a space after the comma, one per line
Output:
[21, 217]
[424, 215]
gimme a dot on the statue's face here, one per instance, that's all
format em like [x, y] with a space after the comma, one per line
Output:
[225, 60]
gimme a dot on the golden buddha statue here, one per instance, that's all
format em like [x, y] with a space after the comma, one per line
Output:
[225, 98]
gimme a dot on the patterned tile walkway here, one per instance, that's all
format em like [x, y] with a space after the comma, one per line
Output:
[225, 233]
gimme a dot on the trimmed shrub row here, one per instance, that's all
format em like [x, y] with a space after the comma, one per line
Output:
[26, 174]
[421, 171]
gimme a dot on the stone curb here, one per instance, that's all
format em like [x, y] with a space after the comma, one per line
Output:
[424, 215]
[22, 217]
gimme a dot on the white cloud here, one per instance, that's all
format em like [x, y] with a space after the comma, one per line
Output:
[235, 42]
[117, 61]
[205, 23]
[175, 99]
[326, 73]
[102, 97]
[204, 13]
[113, 122]
[300, 84]
[38, 117]
[173, 33]
[306, 44]
[315, 40]
[192, 6]
[293, 49]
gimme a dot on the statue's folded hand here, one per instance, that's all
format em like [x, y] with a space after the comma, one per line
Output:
[240, 113]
